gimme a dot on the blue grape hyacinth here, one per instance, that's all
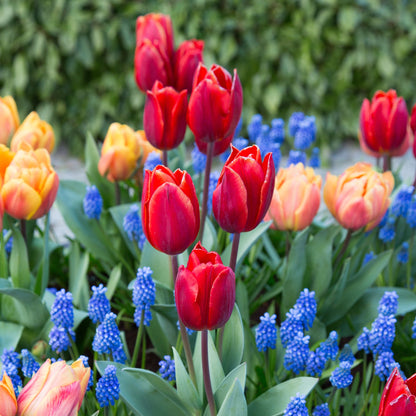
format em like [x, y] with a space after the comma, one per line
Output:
[266, 332]
[132, 225]
[93, 203]
[144, 292]
[167, 368]
[296, 406]
[108, 387]
[98, 305]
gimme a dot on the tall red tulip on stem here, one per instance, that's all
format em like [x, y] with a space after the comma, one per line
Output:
[413, 130]
[213, 113]
[383, 126]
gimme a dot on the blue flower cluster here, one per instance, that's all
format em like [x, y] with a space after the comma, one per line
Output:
[132, 225]
[10, 365]
[144, 292]
[213, 181]
[296, 406]
[167, 368]
[62, 316]
[98, 305]
[266, 332]
[86, 364]
[107, 390]
[29, 365]
[341, 377]
[7, 235]
[321, 410]
[199, 160]
[93, 203]
[153, 159]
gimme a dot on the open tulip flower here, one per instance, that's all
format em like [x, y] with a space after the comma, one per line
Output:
[399, 396]
[9, 118]
[215, 104]
[383, 125]
[30, 184]
[244, 190]
[359, 197]
[8, 403]
[170, 210]
[204, 290]
[56, 389]
[164, 117]
[296, 198]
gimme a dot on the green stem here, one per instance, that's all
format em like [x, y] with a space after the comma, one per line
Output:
[94, 375]
[23, 231]
[386, 163]
[3, 256]
[43, 283]
[343, 248]
[409, 262]
[165, 157]
[117, 192]
[144, 353]
[210, 153]
[138, 340]
[205, 371]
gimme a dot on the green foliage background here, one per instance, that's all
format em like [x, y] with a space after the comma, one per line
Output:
[72, 60]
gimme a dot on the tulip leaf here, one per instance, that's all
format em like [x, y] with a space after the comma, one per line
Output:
[319, 260]
[356, 287]
[88, 232]
[233, 341]
[146, 393]
[275, 400]
[234, 402]
[162, 332]
[293, 281]
[10, 335]
[19, 262]
[210, 236]
[160, 264]
[78, 281]
[239, 373]
[246, 241]
[184, 385]
[113, 281]
[23, 307]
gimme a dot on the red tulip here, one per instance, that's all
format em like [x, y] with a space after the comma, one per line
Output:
[399, 396]
[244, 191]
[219, 147]
[413, 128]
[164, 118]
[383, 125]
[187, 58]
[170, 210]
[204, 291]
[215, 104]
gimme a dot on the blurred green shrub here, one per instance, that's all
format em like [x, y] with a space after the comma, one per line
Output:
[72, 60]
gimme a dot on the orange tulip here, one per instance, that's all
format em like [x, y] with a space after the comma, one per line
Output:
[296, 198]
[56, 389]
[30, 184]
[9, 118]
[120, 152]
[34, 131]
[359, 197]
[8, 404]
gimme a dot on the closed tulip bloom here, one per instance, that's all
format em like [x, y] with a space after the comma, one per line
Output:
[359, 197]
[413, 128]
[170, 210]
[383, 125]
[399, 396]
[244, 191]
[9, 118]
[56, 389]
[119, 153]
[296, 198]
[34, 131]
[219, 147]
[6, 156]
[164, 118]
[187, 59]
[30, 184]
[8, 404]
[204, 291]
[215, 104]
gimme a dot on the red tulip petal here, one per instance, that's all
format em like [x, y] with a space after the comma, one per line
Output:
[394, 387]
[153, 121]
[236, 103]
[397, 125]
[380, 110]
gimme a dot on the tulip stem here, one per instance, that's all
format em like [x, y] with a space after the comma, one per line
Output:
[343, 248]
[138, 340]
[234, 251]
[3, 262]
[165, 158]
[210, 153]
[205, 370]
[386, 163]
[23, 230]
[117, 192]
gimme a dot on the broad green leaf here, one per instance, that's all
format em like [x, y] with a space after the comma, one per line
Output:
[233, 341]
[118, 213]
[275, 400]
[235, 402]
[10, 335]
[239, 373]
[184, 385]
[246, 241]
[78, 280]
[160, 264]
[113, 280]
[162, 333]
[19, 262]
[210, 236]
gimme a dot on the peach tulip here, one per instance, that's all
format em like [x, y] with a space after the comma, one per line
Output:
[8, 404]
[359, 197]
[296, 198]
[30, 184]
[56, 389]
[120, 153]
[9, 118]
[34, 131]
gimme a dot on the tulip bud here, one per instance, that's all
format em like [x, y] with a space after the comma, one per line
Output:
[120, 152]
[383, 125]
[164, 118]
[56, 389]
[413, 128]
[359, 197]
[170, 210]
[204, 291]
[30, 184]
[187, 58]
[215, 104]
[399, 396]
[9, 118]
[296, 198]
[244, 191]
[219, 147]
[8, 404]
[35, 132]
